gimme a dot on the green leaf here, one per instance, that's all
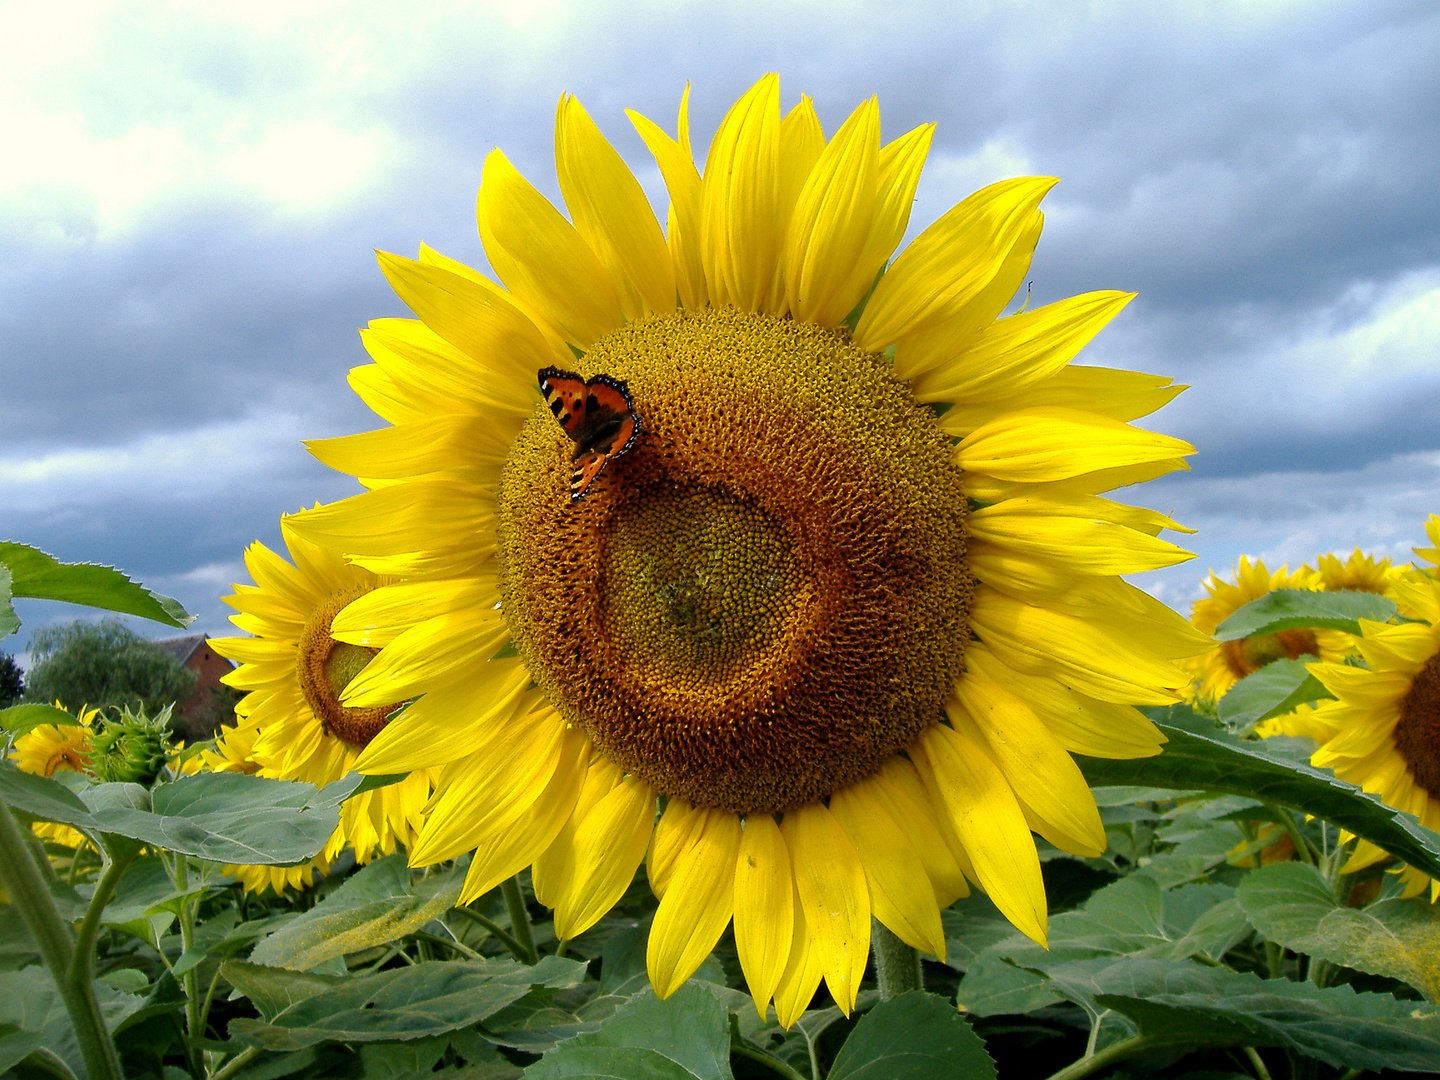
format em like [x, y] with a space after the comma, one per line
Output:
[1291, 904]
[30, 1002]
[373, 783]
[19, 719]
[1189, 1005]
[9, 621]
[1287, 609]
[395, 1005]
[43, 577]
[1276, 689]
[374, 907]
[915, 1036]
[1200, 755]
[972, 925]
[685, 1037]
[16, 1045]
[222, 817]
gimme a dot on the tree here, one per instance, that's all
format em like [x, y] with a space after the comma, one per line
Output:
[12, 681]
[102, 665]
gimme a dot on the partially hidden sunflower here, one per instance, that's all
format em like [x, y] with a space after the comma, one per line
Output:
[1382, 730]
[1361, 572]
[1227, 662]
[47, 749]
[843, 608]
[291, 724]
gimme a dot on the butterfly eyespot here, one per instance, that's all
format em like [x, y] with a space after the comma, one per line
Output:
[599, 416]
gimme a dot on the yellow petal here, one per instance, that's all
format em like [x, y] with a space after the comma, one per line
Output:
[803, 971]
[740, 242]
[433, 377]
[1081, 724]
[611, 212]
[1119, 395]
[380, 615]
[984, 812]
[426, 654]
[1043, 776]
[431, 257]
[511, 850]
[481, 322]
[801, 141]
[1039, 445]
[554, 867]
[832, 219]
[609, 845]
[697, 904]
[674, 833]
[682, 181]
[901, 895]
[834, 895]
[541, 258]
[1013, 354]
[428, 446]
[1061, 532]
[1080, 653]
[948, 266]
[898, 787]
[449, 722]
[764, 908]
[987, 489]
[415, 515]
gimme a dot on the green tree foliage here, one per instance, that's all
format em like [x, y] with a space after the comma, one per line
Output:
[12, 681]
[103, 665]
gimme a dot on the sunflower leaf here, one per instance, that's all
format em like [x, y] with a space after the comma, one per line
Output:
[684, 1037]
[916, 1036]
[1289, 609]
[43, 577]
[19, 719]
[1188, 1005]
[1292, 905]
[1202, 756]
[1276, 689]
[9, 621]
[433, 998]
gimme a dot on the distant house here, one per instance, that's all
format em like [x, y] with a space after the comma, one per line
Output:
[202, 712]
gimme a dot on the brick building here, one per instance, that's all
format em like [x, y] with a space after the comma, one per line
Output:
[209, 706]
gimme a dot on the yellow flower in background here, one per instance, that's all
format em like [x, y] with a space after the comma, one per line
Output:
[291, 725]
[1230, 661]
[1360, 572]
[1431, 554]
[1382, 731]
[47, 749]
[848, 600]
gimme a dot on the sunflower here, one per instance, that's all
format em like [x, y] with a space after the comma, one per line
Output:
[47, 749]
[844, 604]
[1227, 663]
[291, 724]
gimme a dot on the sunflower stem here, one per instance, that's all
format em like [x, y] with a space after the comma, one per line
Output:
[1119, 1051]
[495, 930]
[519, 919]
[28, 891]
[774, 1064]
[897, 965]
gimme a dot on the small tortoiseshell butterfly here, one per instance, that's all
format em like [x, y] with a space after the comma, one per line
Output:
[598, 414]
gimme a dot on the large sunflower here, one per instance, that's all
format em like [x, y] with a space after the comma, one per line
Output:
[1382, 730]
[291, 725]
[843, 606]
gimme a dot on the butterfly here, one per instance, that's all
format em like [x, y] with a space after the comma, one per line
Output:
[598, 414]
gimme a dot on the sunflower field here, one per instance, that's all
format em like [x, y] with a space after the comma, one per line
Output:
[727, 670]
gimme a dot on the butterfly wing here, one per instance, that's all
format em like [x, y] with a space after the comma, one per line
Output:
[611, 424]
[565, 393]
[584, 471]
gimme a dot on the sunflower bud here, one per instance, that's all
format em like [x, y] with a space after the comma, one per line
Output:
[131, 748]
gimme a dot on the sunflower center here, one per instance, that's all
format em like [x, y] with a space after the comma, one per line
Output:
[1248, 655]
[768, 595]
[1417, 733]
[325, 667]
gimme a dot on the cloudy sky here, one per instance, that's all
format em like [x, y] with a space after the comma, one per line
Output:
[190, 198]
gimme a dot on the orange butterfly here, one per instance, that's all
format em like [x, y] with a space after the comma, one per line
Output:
[598, 414]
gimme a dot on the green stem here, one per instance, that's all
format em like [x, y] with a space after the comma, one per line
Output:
[1274, 960]
[180, 877]
[82, 961]
[519, 920]
[1114, 1052]
[235, 1064]
[28, 892]
[774, 1064]
[1302, 846]
[449, 943]
[1261, 1072]
[897, 965]
[498, 932]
